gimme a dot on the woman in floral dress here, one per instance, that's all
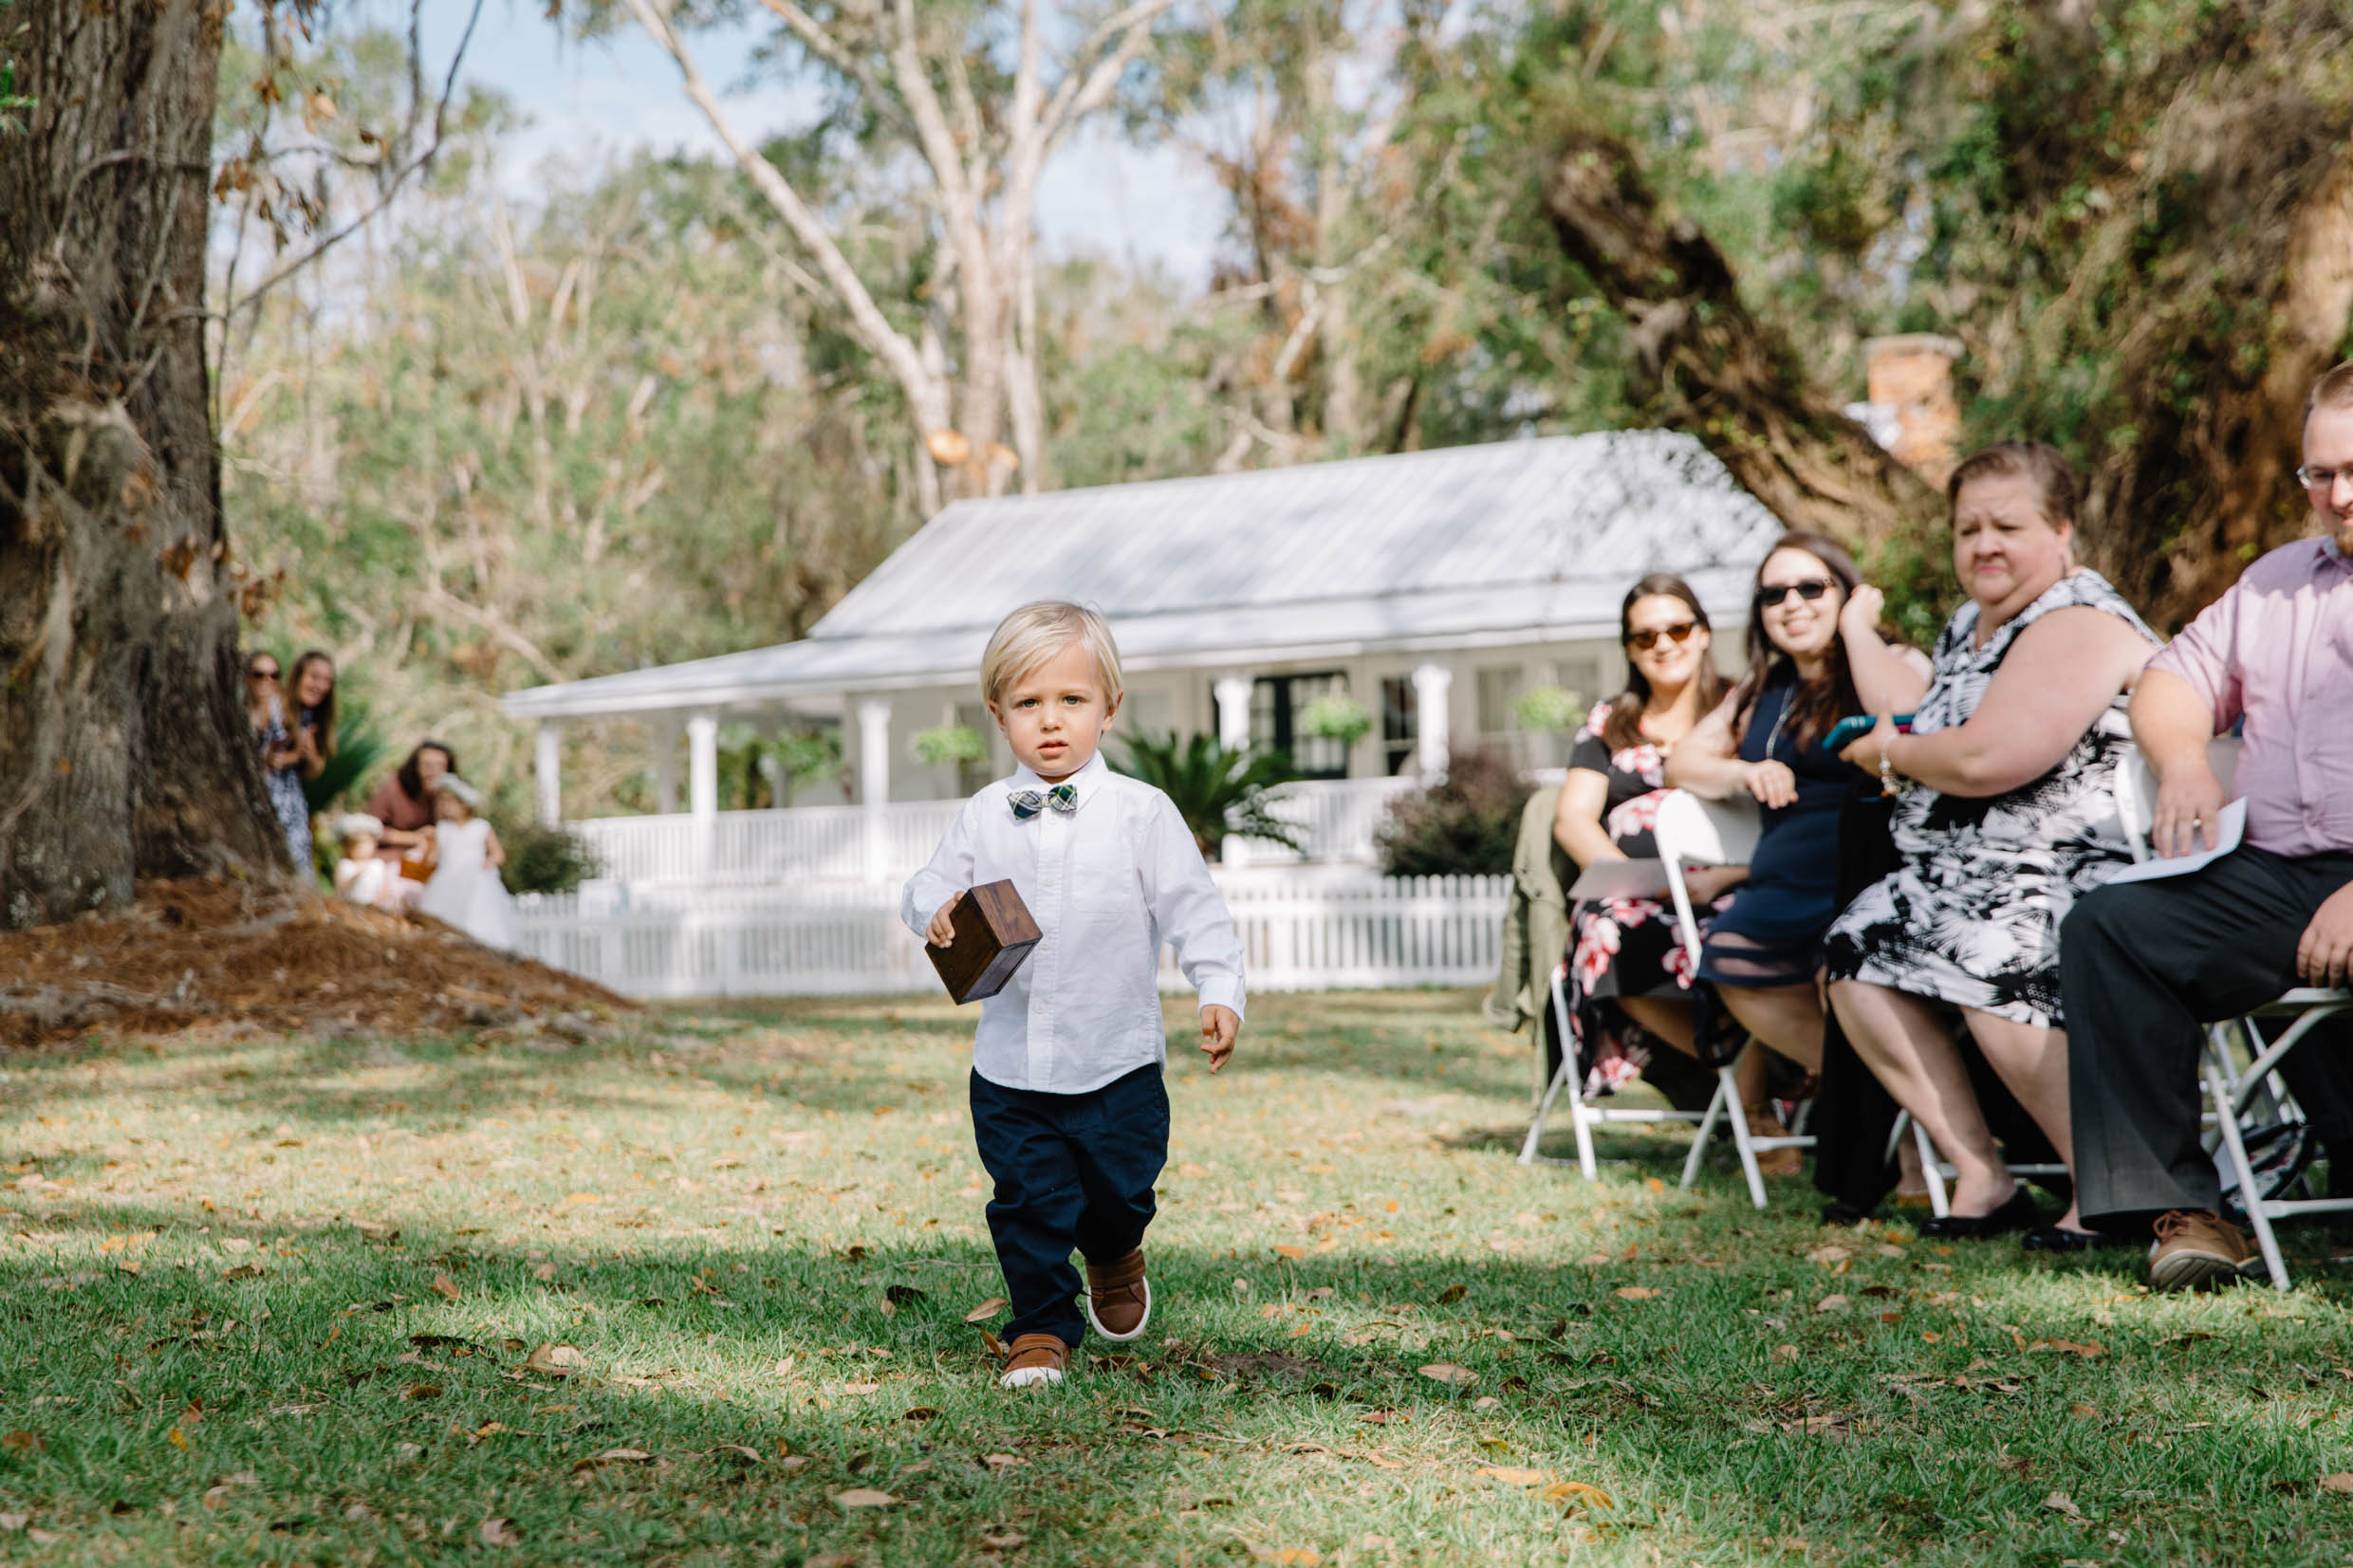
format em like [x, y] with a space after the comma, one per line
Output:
[1629, 978]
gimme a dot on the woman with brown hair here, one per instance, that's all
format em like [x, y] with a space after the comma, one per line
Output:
[1815, 656]
[312, 687]
[1629, 984]
[2008, 815]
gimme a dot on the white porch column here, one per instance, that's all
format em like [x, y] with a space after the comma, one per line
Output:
[666, 763]
[1431, 749]
[547, 771]
[874, 782]
[703, 786]
[1233, 703]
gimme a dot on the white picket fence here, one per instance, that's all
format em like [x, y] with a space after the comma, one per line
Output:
[1304, 927]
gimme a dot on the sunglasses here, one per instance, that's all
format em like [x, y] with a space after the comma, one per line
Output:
[261, 674]
[1643, 642]
[1809, 590]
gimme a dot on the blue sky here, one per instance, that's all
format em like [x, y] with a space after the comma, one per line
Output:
[588, 102]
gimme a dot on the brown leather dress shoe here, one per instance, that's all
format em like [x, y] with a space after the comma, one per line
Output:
[1764, 1122]
[1033, 1359]
[1119, 1297]
[2194, 1247]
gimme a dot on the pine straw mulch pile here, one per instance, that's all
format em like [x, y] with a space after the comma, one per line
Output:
[229, 957]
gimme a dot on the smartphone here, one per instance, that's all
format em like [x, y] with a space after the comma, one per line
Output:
[1848, 731]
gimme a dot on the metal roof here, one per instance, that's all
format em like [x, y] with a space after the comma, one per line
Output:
[1530, 540]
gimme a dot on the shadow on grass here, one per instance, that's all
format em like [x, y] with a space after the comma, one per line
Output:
[324, 1394]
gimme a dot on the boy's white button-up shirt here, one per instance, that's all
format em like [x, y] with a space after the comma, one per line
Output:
[1107, 883]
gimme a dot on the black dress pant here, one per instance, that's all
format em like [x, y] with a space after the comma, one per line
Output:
[1071, 1171]
[2144, 967]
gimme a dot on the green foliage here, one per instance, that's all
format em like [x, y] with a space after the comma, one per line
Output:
[1550, 709]
[950, 743]
[1464, 825]
[1337, 717]
[1215, 791]
[544, 859]
[359, 750]
[805, 757]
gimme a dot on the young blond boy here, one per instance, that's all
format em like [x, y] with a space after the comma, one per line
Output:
[1069, 1108]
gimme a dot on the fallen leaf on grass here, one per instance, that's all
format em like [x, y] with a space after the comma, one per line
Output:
[1831, 1304]
[1002, 1460]
[14, 1523]
[1291, 1251]
[920, 1412]
[1577, 1494]
[1829, 1253]
[444, 1285]
[863, 1497]
[2059, 1503]
[862, 1388]
[986, 1310]
[1634, 1293]
[422, 1390]
[1513, 1476]
[241, 1271]
[556, 1361]
[1289, 1557]
[1833, 1427]
[499, 1532]
[1786, 1353]
[2341, 1482]
[2068, 1347]
[743, 1451]
[21, 1442]
[620, 1456]
[1003, 1540]
[1453, 1293]
[833, 1559]
[1654, 1184]
[1446, 1372]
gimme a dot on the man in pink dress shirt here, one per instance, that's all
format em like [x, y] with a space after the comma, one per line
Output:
[2145, 964]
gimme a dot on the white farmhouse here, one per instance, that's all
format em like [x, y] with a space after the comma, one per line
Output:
[1433, 587]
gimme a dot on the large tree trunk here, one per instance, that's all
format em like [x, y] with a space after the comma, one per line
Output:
[124, 750]
[1707, 366]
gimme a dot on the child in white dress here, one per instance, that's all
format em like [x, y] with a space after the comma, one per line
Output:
[465, 889]
[359, 876]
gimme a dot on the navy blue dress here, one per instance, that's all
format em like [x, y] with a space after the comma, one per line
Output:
[1773, 934]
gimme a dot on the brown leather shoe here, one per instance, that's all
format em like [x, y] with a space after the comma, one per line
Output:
[2195, 1248]
[1034, 1359]
[1119, 1297]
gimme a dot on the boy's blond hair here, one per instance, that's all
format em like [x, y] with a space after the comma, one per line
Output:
[1034, 633]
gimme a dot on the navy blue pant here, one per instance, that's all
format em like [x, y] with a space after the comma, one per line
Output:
[1071, 1171]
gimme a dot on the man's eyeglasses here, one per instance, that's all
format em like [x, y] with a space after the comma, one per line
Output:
[1643, 642]
[1809, 590]
[261, 674]
[2321, 479]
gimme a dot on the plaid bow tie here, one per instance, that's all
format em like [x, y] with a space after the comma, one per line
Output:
[1062, 797]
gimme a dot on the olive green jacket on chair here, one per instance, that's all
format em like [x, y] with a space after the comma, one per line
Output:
[1535, 922]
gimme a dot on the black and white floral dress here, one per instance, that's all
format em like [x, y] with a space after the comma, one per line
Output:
[1972, 917]
[1624, 947]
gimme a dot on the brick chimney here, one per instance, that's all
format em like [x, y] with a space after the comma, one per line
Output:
[1911, 410]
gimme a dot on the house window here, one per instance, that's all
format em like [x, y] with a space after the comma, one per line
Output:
[1400, 727]
[1278, 710]
[1498, 691]
[1580, 679]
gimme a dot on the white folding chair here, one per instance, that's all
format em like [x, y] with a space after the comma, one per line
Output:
[2234, 1089]
[1571, 1076]
[1693, 831]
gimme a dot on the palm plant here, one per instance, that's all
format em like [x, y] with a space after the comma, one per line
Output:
[358, 749]
[1218, 790]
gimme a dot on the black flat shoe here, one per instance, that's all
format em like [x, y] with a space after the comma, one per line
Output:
[2018, 1214]
[2058, 1238]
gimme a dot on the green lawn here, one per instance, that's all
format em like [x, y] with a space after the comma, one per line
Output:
[278, 1300]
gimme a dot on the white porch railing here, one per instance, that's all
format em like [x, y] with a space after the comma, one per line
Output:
[1302, 929]
[825, 843]
[1335, 817]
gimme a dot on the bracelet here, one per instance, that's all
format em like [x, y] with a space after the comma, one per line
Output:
[1887, 775]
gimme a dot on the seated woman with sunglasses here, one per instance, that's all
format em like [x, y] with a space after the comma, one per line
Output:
[1628, 981]
[1815, 656]
[282, 758]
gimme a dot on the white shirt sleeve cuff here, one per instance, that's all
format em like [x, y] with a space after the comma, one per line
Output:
[1222, 992]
